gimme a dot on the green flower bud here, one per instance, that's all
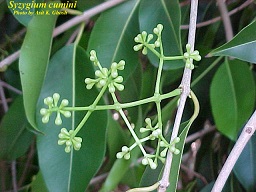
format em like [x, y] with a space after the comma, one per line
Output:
[64, 103]
[67, 114]
[56, 98]
[43, 111]
[64, 131]
[77, 146]
[68, 143]
[164, 152]
[120, 65]
[48, 101]
[125, 149]
[67, 149]
[120, 87]
[114, 74]
[61, 142]
[172, 149]
[111, 88]
[143, 130]
[144, 161]
[144, 51]
[176, 152]
[150, 37]
[78, 139]
[176, 140]
[156, 31]
[162, 144]
[119, 79]
[127, 156]
[157, 44]
[156, 133]
[137, 47]
[119, 155]
[144, 35]
[46, 118]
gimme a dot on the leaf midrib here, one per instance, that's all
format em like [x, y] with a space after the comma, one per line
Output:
[123, 32]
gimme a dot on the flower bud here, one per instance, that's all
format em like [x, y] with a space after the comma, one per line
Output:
[43, 111]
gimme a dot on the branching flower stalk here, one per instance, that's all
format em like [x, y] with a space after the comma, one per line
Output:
[110, 80]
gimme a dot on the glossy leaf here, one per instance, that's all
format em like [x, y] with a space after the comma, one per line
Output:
[242, 46]
[244, 168]
[112, 38]
[167, 13]
[23, 10]
[15, 138]
[232, 96]
[70, 171]
[34, 58]
[176, 161]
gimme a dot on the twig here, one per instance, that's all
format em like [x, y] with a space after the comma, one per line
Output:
[214, 20]
[26, 167]
[3, 175]
[198, 175]
[71, 23]
[207, 129]
[8, 86]
[226, 19]
[246, 134]
[185, 85]
[14, 176]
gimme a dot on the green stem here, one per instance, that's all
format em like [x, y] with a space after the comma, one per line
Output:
[121, 112]
[80, 33]
[127, 105]
[173, 58]
[89, 112]
[159, 73]
[153, 50]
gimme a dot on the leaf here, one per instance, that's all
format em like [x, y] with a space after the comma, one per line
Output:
[152, 176]
[38, 184]
[70, 172]
[245, 169]
[242, 46]
[112, 38]
[167, 13]
[232, 96]
[176, 160]
[23, 10]
[15, 138]
[34, 56]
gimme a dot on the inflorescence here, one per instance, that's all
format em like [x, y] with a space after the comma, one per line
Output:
[111, 80]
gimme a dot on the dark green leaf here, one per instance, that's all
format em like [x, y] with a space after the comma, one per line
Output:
[112, 37]
[242, 46]
[38, 184]
[232, 95]
[245, 169]
[34, 57]
[167, 13]
[70, 172]
[23, 10]
[15, 138]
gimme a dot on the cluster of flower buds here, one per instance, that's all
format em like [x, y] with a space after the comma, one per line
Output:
[144, 40]
[149, 161]
[105, 76]
[52, 103]
[158, 31]
[66, 137]
[156, 132]
[170, 146]
[125, 153]
[191, 55]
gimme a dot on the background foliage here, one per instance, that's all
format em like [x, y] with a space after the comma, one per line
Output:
[31, 160]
